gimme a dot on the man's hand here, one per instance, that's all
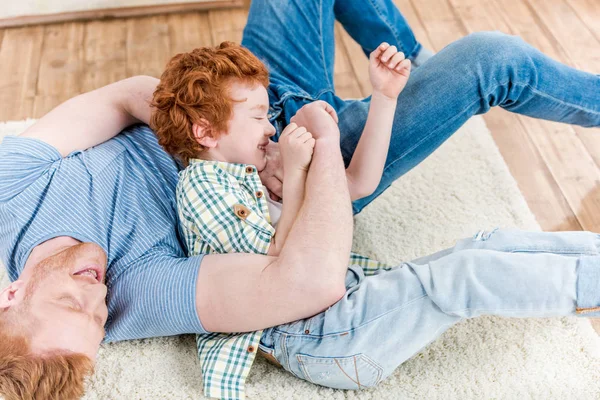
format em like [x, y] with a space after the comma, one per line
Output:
[388, 70]
[319, 118]
[272, 175]
[296, 144]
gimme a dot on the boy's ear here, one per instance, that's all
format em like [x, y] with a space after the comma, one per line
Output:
[202, 134]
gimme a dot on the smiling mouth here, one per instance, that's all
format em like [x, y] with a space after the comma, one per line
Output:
[93, 271]
[263, 146]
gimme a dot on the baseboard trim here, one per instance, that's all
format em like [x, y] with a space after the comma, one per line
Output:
[121, 12]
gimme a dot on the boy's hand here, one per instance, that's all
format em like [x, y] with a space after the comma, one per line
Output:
[388, 70]
[320, 118]
[296, 145]
[272, 175]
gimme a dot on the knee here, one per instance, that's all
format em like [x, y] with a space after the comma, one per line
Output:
[494, 47]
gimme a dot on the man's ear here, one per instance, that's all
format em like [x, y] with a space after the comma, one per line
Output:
[202, 134]
[13, 294]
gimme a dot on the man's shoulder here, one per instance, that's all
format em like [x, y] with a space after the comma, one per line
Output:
[22, 162]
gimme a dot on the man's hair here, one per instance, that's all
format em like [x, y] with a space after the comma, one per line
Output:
[25, 375]
[194, 87]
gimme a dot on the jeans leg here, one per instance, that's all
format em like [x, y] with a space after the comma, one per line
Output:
[371, 22]
[295, 38]
[469, 77]
[385, 319]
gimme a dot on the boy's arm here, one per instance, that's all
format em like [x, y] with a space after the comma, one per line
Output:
[95, 117]
[366, 167]
[389, 71]
[293, 193]
[297, 146]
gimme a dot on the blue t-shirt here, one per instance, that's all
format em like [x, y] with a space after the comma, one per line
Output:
[120, 195]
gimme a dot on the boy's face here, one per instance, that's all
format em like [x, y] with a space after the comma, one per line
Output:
[249, 129]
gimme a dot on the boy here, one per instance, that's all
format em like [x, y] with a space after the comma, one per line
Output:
[211, 112]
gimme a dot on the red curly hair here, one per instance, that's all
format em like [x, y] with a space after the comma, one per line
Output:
[194, 90]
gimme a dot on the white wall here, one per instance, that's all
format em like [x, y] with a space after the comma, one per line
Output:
[17, 8]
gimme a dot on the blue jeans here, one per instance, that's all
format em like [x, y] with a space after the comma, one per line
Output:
[295, 38]
[506, 273]
[385, 319]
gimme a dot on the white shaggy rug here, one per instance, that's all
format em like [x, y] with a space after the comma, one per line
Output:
[465, 186]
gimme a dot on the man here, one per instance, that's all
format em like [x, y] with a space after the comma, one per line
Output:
[80, 206]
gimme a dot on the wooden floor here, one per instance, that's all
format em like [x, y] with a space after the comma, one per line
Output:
[555, 165]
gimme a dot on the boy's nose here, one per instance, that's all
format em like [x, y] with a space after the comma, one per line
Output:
[271, 131]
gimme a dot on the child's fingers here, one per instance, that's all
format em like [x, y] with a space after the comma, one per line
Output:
[404, 66]
[395, 60]
[289, 129]
[311, 142]
[299, 131]
[375, 54]
[304, 137]
[388, 54]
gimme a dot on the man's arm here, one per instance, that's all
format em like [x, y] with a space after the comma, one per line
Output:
[95, 117]
[244, 292]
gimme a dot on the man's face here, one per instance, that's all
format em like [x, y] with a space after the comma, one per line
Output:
[249, 129]
[66, 300]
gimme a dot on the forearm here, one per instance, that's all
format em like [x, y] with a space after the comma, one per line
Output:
[97, 116]
[321, 235]
[366, 167]
[293, 196]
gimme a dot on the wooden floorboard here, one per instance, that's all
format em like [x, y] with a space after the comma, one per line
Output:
[61, 65]
[440, 22]
[346, 84]
[20, 57]
[105, 54]
[196, 32]
[148, 48]
[227, 24]
[589, 12]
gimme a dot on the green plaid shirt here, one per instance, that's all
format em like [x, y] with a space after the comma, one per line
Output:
[222, 209]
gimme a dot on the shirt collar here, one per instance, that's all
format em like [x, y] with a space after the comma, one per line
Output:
[239, 171]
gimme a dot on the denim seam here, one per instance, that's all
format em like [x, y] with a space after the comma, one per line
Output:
[391, 27]
[559, 100]
[554, 251]
[485, 310]
[352, 329]
[323, 44]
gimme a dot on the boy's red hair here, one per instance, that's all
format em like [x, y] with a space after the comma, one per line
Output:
[194, 90]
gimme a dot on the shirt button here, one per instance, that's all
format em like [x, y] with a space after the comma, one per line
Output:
[249, 170]
[250, 349]
[241, 211]
[259, 194]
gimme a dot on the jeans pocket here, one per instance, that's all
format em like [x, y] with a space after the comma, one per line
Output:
[349, 372]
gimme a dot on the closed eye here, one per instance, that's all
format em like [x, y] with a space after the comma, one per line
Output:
[71, 302]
